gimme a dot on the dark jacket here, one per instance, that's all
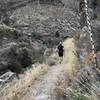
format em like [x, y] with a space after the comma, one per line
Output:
[60, 50]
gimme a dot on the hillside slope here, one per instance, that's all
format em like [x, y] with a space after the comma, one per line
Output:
[30, 31]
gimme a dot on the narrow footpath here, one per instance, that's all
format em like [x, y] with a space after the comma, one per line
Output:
[52, 85]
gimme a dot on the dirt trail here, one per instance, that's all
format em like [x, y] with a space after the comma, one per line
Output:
[52, 85]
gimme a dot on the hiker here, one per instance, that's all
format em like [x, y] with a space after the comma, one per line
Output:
[60, 50]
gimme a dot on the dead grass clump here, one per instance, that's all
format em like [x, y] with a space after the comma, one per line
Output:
[70, 60]
[53, 59]
[21, 87]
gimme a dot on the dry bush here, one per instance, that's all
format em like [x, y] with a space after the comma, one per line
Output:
[90, 57]
[53, 59]
[17, 91]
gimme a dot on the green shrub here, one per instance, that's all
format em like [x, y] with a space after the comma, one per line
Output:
[80, 97]
[8, 33]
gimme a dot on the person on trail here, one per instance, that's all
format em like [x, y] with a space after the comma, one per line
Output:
[60, 50]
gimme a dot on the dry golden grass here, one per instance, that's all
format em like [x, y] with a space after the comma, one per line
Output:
[53, 59]
[69, 66]
[89, 59]
[70, 60]
[21, 87]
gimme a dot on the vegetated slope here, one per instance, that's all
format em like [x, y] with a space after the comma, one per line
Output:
[42, 36]
[43, 33]
[36, 27]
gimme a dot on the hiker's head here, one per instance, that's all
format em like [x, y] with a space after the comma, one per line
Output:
[60, 43]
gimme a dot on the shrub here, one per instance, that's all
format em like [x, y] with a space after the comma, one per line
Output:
[80, 97]
[8, 33]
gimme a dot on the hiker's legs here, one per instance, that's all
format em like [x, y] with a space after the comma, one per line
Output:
[60, 59]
